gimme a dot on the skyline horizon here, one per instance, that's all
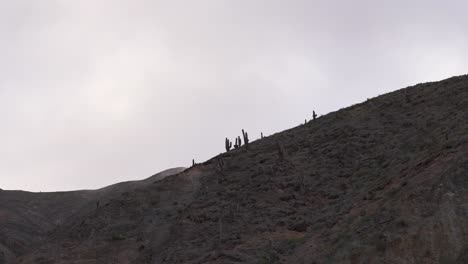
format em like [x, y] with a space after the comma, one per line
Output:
[214, 155]
[99, 92]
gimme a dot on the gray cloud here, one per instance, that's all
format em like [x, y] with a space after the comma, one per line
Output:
[95, 92]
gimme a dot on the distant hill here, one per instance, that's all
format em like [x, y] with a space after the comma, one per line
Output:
[28, 219]
[384, 181]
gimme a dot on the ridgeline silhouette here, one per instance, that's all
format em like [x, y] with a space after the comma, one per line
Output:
[384, 181]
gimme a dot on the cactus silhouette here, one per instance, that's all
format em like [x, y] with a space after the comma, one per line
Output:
[238, 143]
[246, 137]
[228, 145]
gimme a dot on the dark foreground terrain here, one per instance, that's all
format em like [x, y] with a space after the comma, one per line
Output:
[385, 181]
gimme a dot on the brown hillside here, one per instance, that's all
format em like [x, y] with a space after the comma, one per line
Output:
[28, 219]
[384, 181]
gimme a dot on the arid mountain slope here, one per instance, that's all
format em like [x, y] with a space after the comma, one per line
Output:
[384, 181]
[28, 219]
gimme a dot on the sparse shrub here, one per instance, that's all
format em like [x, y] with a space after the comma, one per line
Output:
[294, 242]
[380, 246]
[380, 243]
[268, 256]
[118, 237]
[402, 223]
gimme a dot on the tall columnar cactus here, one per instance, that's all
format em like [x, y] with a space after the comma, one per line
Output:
[281, 152]
[246, 137]
[238, 143]
[220, 168]
[314, 115]
[228, 145]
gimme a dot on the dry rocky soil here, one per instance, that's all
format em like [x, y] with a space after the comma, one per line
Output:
[384, 181]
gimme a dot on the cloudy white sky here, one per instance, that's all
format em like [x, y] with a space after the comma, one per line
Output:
[96, 92]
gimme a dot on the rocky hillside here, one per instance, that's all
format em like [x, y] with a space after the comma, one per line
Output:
[384, 181]
[28, 219]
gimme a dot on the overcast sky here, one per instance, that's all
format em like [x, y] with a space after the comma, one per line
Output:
[101, 91]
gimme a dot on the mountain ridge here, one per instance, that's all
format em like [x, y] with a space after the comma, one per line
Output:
[383, 181]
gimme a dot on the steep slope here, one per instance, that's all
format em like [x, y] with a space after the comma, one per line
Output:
[384, 181]
[28, 219]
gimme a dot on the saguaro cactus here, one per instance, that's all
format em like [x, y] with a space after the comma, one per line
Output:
[246, 137]
[228, 145]
[238, 142]
[314, 115]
